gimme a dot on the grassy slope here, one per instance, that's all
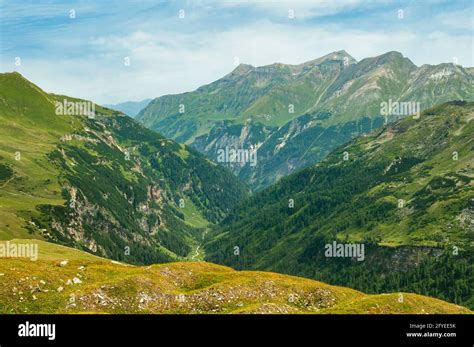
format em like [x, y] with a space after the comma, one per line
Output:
[33, 138]
[111, 287]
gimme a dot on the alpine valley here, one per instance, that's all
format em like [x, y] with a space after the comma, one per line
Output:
[103, 183]
[129, 215]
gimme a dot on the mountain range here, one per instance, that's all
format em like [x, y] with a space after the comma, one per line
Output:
[396, 188]
[294, 115]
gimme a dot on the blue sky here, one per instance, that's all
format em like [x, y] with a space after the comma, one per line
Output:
[85, 56]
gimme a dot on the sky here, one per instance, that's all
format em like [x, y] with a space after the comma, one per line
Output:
[117, 51]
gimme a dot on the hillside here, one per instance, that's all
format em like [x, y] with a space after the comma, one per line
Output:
[64, 280]
[405, 192]
[102, 182]
[295, 115]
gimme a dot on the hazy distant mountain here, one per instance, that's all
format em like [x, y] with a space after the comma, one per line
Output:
[130, 108]
[296, 114]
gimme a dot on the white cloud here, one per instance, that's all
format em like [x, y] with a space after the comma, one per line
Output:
[165, 62]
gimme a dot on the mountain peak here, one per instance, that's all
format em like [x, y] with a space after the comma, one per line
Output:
[16, 81]
[393, 56]
[14, 75]
[340, 55]
[242, 69]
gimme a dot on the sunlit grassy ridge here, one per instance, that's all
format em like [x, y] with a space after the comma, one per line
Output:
[65, 280]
